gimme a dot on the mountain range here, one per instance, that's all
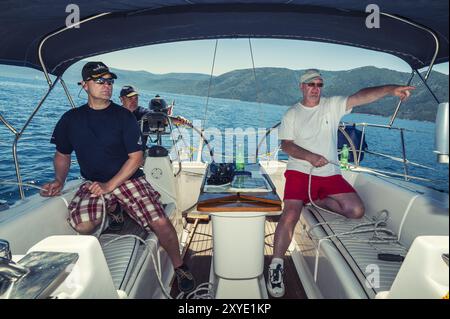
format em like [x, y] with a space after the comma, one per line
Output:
[277, 86]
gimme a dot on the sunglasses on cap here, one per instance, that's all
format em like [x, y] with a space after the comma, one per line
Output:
[109, 81]
[312, 84]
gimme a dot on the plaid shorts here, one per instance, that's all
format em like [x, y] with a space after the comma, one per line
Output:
[136, 196]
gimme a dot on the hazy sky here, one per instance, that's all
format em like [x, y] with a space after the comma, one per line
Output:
[232, 54]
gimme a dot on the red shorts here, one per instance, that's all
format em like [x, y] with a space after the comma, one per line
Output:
[321, 187]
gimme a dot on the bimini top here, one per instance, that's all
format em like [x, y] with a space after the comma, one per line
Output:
[27, 24]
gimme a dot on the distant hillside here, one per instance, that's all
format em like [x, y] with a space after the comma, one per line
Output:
[278, 86]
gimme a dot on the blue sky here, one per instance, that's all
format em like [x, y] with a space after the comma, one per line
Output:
[232, 54]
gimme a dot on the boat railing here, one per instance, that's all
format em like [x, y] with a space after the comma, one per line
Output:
[358, 150]
[404, 160]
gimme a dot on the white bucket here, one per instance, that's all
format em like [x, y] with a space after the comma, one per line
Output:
[238, 243]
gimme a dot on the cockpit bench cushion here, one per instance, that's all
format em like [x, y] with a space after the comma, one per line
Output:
[120, 257]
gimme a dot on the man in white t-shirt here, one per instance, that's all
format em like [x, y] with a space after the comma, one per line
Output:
[308, 134]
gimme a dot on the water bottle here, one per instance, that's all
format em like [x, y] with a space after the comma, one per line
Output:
[345, 152]
[240, 160]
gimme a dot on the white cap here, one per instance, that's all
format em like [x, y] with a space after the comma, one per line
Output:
[310, 75]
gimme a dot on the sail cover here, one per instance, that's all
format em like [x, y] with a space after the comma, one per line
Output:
[27, 24]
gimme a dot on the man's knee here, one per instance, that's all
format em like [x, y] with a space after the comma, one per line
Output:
[356, 211]
[291, 215]
[161, 226]
[87, 228]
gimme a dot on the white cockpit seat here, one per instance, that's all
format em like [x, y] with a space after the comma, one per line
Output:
[356, 252]
[125, 256]
[121, 257]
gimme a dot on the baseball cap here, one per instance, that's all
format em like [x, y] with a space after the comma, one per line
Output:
[92, 70]
[310, 75]
[128, 91]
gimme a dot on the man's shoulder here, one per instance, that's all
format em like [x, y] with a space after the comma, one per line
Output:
[333, 99]
[75, 112]
[293, 109]
[119, 110]
[142, 110]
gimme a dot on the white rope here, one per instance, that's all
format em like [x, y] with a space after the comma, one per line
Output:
[207, 287]
[195, 294]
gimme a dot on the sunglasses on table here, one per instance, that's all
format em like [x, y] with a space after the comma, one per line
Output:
[318, 85]
[109, 81]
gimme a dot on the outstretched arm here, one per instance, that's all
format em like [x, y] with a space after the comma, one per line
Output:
[372, 94]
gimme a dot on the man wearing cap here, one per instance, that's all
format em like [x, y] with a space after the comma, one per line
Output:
[130, 100]
[107, 142]
[308, 134]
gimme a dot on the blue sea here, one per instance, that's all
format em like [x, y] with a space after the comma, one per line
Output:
[19, 97]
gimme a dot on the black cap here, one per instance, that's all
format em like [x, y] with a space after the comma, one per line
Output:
[128, 91]
[92, 70]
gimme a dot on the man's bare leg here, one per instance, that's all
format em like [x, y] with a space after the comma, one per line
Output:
[285, 227]
[168, 239]
[282, 240]
[349, 205]
[87, 228]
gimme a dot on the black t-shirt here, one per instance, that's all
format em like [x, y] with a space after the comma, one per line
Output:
[140, 112]
[101, 139]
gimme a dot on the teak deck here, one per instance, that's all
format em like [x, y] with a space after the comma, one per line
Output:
[199, 256]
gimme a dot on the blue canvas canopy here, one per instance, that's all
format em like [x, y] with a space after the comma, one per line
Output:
[132, 23]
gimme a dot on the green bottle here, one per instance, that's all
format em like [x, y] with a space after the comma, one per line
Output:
[345, 152]
[240, 160]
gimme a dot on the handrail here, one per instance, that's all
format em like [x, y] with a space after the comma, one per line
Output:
[8, 125]
[397, 109]
[19, 134]
[41, 44]
[66, 90]
[433, 60]
[424, 81]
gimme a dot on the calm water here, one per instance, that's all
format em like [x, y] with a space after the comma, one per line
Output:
[18, 97]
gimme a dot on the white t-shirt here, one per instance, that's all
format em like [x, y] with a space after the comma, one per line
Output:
[314, 129]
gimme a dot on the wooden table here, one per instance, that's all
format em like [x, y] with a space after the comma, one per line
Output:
[255, 193]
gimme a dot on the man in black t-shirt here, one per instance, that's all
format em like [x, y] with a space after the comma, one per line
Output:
[108, 145]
